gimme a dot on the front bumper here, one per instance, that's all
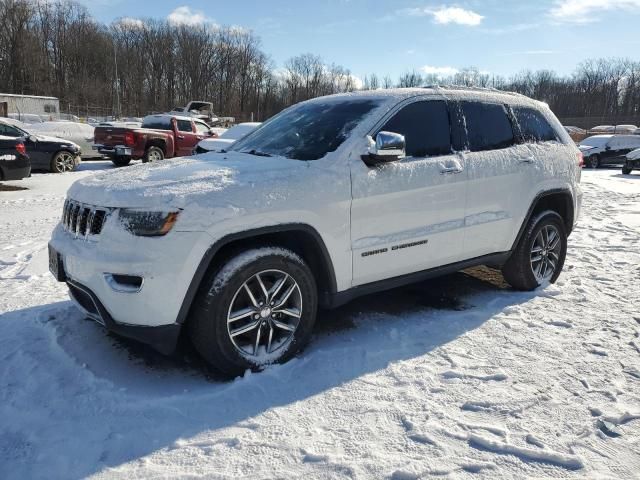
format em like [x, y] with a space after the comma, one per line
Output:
[166, 266]
[163, 338]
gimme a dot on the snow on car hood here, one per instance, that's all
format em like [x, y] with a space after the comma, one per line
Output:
[216, 143]
[47, 138]
[584, 148]
[183, 181]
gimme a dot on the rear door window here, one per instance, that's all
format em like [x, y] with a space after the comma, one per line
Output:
[184, 126]
[425, 126]
[487, 126]
[534, 127]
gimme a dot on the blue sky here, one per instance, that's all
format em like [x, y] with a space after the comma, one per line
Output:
[394, 36]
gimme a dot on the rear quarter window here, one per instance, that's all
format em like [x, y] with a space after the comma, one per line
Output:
[157, 123]
[533, 126]
[487, 126]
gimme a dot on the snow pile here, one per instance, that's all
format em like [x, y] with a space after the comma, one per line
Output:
[458, 377]
[67, 130]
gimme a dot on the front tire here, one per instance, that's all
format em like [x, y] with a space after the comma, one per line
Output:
[540, 254]
[593, 161]
[153, 154]
[63, 161]
[626, 170]
[258, 309]
[120, 162]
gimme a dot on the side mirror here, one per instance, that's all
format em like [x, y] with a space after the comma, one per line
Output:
[33, 138]
[387, 147]
[212, 134]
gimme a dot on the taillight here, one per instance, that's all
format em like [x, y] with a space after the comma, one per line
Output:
[580, 159]
[20, 149]
[129, 139]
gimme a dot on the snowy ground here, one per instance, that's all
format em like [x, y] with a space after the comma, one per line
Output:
[458, 377]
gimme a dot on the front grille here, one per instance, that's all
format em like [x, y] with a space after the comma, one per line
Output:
[83, 220]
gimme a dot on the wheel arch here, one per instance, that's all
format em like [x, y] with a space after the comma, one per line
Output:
[559, 200]
[300, 238]
[157, 142]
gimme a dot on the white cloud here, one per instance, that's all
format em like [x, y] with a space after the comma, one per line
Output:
[585, 11]
[185, 16]
[439, 71]
[130, 22]
[446, 15]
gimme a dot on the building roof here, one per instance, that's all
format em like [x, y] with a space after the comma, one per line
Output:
[14, 95]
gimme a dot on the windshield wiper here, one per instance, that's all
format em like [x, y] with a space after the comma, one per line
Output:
[257, 153]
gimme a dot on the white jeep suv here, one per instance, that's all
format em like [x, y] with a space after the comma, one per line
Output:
[333, 198]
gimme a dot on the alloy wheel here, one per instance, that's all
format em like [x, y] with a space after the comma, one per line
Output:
[264, 313]
[545, 253]
[154, 156]
[65, 162]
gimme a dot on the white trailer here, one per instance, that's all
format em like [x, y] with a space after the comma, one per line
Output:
[17, 106]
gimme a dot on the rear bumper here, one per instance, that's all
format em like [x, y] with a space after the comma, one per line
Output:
[15, 169]
[115, 151]
[162, 338]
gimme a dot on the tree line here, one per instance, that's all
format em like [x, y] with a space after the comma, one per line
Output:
[133, 67]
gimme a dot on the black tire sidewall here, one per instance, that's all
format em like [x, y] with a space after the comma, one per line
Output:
[53, 168]
[146, 154]
[212, 305]
[593, 161]
[540, 222]
[120, 163]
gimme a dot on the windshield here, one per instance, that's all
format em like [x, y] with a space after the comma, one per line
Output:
[308, 131]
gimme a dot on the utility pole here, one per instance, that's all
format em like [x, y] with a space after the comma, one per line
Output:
[115, 61]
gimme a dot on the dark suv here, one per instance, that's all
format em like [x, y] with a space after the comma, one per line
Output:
[46, 153]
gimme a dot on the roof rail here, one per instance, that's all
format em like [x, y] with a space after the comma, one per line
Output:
[473, 89]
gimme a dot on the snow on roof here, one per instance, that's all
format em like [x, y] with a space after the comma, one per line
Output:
[444, 91]
[15, 95]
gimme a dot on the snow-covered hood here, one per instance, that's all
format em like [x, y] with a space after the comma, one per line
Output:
[212, 144]
[586, 148]
[634, 154]
[207, 179]
[47, 138]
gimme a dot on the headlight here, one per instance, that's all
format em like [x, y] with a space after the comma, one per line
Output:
[148, 224]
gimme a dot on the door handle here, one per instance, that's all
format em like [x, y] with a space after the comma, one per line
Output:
[527, 160]
[448, 170]
[180, 137]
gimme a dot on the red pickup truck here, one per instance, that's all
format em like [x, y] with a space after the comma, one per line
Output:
[159, 137]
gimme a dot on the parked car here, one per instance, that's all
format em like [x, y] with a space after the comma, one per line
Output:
[603, 129]
[79, 133]
[577, 134]
[632, 162]
[28, 118]
[226, 139]
[46, 153]
[331, 199]
[625, 129]
[600, 150]
[160, 137]
[14, 162]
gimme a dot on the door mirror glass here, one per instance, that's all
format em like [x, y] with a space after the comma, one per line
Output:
[33, 138]
[387, 147]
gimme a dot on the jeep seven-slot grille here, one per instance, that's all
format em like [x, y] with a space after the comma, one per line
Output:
[83, 220]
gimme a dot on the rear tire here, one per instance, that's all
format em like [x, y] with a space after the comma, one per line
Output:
[626, 170]
[280, 328]
[120, 162]
[538, 258]
[153, 154]
[593, 161]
